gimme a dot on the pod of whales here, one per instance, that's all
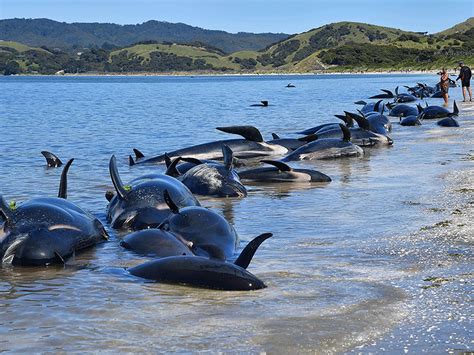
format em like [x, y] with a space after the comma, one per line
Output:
[251, 146]
[46, 230]
[141, 203]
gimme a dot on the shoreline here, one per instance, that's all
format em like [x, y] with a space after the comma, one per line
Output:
[223, 74]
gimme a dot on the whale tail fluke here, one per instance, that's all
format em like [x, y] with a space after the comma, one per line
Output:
[51, 159]
[247, 254]
[171, 169]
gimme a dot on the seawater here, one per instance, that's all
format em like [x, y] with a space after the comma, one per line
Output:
[352, 265]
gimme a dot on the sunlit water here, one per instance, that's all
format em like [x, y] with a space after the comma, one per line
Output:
[345, 269]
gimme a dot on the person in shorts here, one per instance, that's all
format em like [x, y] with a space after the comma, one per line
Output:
[465, 75]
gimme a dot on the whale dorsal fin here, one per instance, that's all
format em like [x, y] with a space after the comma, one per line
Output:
[275, 136]
[377, 106]
[169, 201]
[63, 182]
[362, 122]
[6, 212]
[248, 132]
[213, 251]
[346, 134]
[277, 164]
[308, 138]
[387, 92]
[347, 119]
[138, 154]
[171, 168]
[455, 109]
[52, 160]
[396, 91]
[228, 156]
[264, 102]
[116, 180]
[247, 254]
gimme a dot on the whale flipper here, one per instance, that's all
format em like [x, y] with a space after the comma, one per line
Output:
[347, 119]
[360, 102]
[377, 106]
[172, 206]
[362, 122]
[51, 159]
[247, 254]
[63, 183]
[387, 92]
[191, 160]
[116, 180]
[455, 109]
[277, 164]
[250, 133]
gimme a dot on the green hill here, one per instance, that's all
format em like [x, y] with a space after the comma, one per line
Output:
[335, 47]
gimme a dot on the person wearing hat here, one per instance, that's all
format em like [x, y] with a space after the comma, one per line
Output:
[465, 76]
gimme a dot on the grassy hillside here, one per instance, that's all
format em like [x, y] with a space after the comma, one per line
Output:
[459, 28]
[54, 34]
[340, 46]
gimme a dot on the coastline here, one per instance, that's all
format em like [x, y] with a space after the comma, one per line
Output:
[239, 74]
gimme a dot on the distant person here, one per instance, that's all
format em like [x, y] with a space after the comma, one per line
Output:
[444, 85]
[465, 75]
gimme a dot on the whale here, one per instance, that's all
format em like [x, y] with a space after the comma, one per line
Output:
[251, 146]
[156, 243]
[211, 179]
[263, 103]
[281, 172]
[436, 112]
[402, 110]
[140, 204]
[47, 230]
[448, 122]
[327, 148]
[412, 120]
[202, 227]
[199, 271]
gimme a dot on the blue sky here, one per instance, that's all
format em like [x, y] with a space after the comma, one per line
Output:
[289, 16]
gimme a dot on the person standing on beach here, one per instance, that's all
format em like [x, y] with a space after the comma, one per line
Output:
[444, 85]
[465, 75]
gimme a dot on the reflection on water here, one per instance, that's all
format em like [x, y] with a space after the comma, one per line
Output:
[344, 269]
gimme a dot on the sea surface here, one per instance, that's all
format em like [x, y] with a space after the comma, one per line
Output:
[378, 260]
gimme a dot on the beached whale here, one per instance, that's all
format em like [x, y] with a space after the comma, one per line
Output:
[435, 112]
[412, 120]
[448, 122]
[202, 227]
[281, 172]
[402, 110]
[44, 231]
[141, 204]
[327, 148]
[198, 271]
[157, 242]
[211, 179]
[251, 146]
[292, 143]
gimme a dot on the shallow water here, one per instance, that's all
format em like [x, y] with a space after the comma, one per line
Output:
[344, 270]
